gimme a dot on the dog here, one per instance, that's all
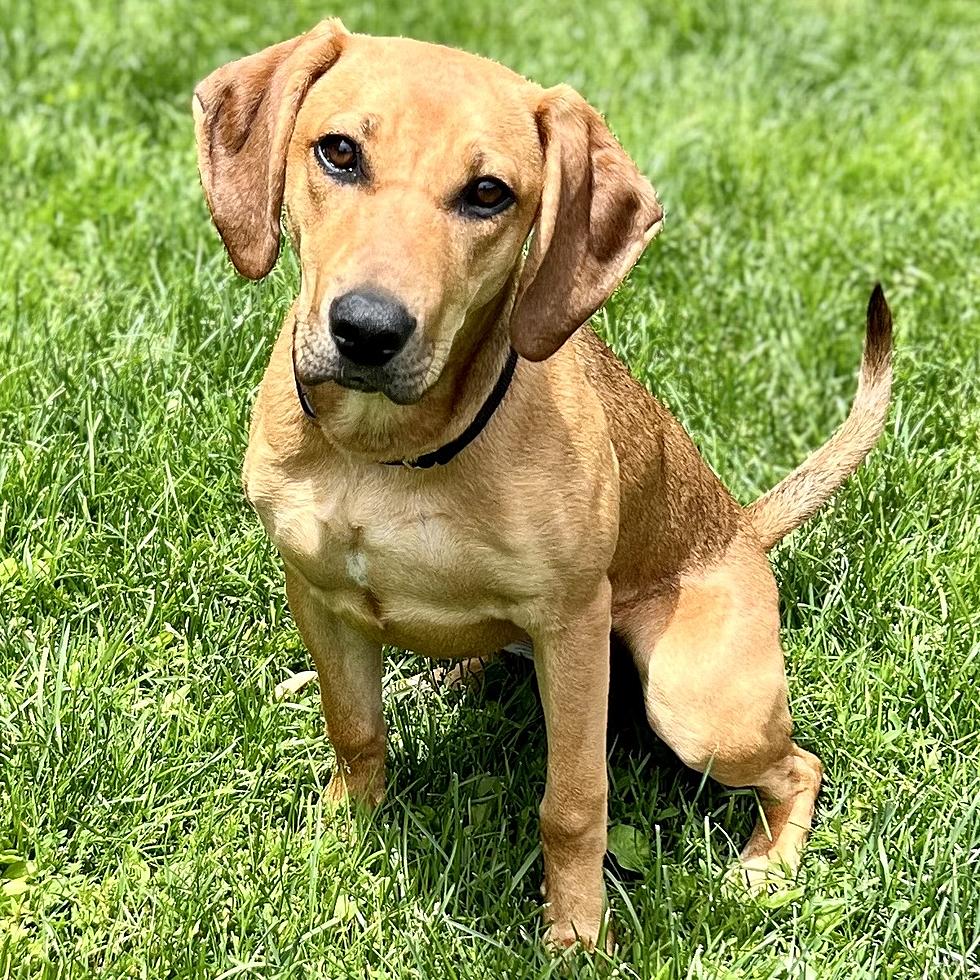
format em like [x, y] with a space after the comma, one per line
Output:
[449, 462]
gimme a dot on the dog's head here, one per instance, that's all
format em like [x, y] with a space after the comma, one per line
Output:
[412, 176]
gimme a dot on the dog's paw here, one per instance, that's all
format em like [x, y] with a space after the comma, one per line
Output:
[467, 675]
[760, 875]
[562, 936]
[464, 675]
[346, 788]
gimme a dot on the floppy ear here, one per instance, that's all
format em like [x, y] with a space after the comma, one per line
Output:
[244, 115]
[597, 214]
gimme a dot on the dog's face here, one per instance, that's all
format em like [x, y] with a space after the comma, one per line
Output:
[412, 180]
[411, 176]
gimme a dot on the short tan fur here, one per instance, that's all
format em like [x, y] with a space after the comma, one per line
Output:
[582, 507]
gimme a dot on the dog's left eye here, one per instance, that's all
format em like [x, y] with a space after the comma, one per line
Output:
[339, 155]
[485, 197]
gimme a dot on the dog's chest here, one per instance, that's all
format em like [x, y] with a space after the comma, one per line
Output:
[403, 565]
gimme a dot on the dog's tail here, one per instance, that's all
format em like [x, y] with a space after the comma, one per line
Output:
[797, 497]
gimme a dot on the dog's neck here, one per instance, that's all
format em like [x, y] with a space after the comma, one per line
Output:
[371, 428]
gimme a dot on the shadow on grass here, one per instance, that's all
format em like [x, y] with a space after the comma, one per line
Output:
[497, 733]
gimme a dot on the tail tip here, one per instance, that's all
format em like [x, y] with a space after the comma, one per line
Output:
[879, 318]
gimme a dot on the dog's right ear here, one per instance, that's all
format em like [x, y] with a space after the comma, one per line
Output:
[244, 114]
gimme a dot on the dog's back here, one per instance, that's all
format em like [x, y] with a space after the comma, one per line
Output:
[671, 496]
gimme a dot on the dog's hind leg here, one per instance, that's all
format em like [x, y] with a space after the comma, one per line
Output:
[469, 673]
[464, 674]
[709, 659]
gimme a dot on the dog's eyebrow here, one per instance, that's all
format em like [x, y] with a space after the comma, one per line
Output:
[483, 163]
[352, 125]
[368, 125]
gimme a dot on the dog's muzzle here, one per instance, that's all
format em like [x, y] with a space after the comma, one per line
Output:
[366, 345]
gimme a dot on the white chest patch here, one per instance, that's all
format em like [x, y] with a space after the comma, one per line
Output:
[357, 568]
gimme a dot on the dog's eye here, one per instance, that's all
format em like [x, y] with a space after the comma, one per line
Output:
[485, 197]
[338, 155]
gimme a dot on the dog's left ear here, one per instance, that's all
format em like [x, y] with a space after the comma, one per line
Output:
[244, 114]
[597, 214]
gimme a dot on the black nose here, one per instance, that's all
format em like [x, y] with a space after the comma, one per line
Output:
[369, 326]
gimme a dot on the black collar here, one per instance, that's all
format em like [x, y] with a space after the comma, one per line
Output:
[448, 452]
[444, 454]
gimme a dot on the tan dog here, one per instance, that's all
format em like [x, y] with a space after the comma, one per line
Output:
[412, 176]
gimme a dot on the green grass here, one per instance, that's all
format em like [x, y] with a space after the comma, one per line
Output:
[159, 810]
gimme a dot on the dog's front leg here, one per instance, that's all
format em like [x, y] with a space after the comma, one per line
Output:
[349, 667]
[572, 665]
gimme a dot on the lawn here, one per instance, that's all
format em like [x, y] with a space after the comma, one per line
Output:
[160, 810]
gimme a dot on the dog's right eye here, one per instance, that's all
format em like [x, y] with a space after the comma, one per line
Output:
[339, 155]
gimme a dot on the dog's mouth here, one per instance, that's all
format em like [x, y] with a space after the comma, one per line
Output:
[357, 383]
[316, 360]
[401, 385]
[301, 394]
[402, 388]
